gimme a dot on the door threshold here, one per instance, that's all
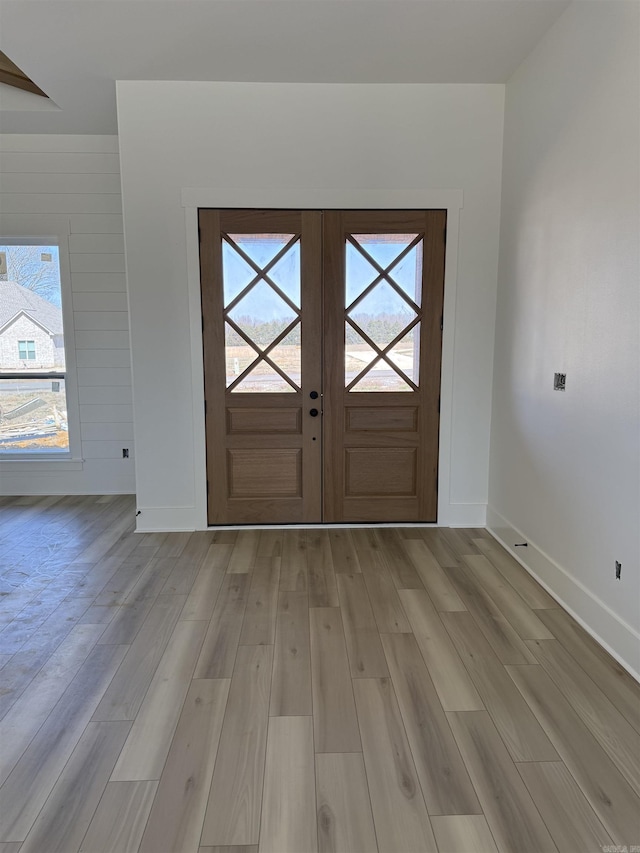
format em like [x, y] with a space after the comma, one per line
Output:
[327, 526]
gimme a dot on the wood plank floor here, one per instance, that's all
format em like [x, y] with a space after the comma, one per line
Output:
[395, 690]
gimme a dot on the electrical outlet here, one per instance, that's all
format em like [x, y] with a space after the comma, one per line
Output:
[618, 570]
[125, 452]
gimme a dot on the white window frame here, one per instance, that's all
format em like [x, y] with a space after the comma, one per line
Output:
[50, 231]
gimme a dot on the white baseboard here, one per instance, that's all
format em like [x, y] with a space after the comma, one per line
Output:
[163, 519]
[621, 640]
[462, 515]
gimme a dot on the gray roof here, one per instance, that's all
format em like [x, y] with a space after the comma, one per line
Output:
[15, 299]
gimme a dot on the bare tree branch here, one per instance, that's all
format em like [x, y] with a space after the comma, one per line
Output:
[26, 267]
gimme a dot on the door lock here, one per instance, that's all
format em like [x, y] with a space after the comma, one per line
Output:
[313, 413]
[314, 395]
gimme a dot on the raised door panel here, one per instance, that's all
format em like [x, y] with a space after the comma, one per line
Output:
[264, 473]
[245, 421]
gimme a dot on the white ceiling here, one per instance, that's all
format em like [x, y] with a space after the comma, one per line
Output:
[75, 49]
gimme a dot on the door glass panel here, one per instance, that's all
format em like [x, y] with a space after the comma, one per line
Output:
[408, 273]
[261, 248]
[286, 273]
[238, 354]
[262, 314]
[287, 355]
[359, 273]
[384, 248]
[358, 354]
[381, 377]
[263, 379]
[236, 273]
[382, 314]
[406, 354]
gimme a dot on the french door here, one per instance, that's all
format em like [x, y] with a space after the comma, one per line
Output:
[322, 340]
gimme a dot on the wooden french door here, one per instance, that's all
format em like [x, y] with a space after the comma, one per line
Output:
[383, 293]
[322, 346]
[261, 309]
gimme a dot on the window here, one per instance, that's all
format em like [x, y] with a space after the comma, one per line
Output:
[33, 404]
[27, 350]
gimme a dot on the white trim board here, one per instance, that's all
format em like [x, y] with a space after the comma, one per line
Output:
[619, 639]
[449, 514]
[165, 519]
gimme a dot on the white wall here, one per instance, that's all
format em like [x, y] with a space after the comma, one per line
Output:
[69, 187]
[565, 467]
[254, 145]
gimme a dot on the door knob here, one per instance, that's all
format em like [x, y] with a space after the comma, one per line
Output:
[313, 413]
[314, 395]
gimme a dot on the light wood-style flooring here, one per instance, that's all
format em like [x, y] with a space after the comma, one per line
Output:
[401, 690]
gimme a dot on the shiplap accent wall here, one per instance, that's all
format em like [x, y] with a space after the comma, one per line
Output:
[71, 184]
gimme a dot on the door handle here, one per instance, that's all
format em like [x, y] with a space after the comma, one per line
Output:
[313, 413]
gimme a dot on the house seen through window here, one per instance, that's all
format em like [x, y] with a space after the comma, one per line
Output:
[33, 406]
